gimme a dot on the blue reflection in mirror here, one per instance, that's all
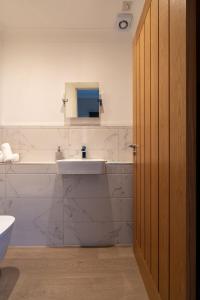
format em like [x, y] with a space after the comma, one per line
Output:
[88, 103]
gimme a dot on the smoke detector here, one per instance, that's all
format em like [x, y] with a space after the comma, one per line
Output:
[126, 5]
[124, 22]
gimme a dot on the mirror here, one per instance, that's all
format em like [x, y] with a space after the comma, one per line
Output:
[83, 99]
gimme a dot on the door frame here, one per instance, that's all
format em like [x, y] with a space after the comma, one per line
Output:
[191, 109]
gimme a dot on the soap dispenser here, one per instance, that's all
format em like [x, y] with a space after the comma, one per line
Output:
[59, 154]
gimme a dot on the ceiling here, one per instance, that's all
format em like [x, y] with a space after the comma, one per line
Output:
[64, 14]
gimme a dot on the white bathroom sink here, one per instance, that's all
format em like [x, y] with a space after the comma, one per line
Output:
[80, 166]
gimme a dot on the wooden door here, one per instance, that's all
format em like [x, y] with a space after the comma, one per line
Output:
[161, 123]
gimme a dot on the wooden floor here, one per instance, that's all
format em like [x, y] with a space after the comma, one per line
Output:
[71, 274]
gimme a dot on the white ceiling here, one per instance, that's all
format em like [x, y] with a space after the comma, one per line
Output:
[64, 14]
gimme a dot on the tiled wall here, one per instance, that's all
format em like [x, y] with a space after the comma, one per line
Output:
[61, 210]
[57, 210]
[40, 143]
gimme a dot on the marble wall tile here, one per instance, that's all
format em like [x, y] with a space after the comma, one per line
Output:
[122, 209]
[34, 185]
[60, 210]
[84, 186]
[98, 209]
[36, 155]
[101, 142]
[125, 139]
[40, 143]
[77, 137]
[37, 138]
[2, 185]
[1, 135]
[103, 138]
[89, 233]
[107, 154]
[3, 206]
[36, 144]
[91, 209]
[119, 168]
[124, 233]
[39, 221]
[2, 168]
[98, 138]
[26, 168]
[97, 233]
[120, 185]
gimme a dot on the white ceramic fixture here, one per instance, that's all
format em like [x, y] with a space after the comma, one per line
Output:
[80, 166]
[6, 225]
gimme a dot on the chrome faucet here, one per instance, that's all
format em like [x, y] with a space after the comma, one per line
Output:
[84, 153]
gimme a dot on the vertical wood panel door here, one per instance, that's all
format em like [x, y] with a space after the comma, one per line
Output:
[142, 141]
[163, 155]
[161, 180]
[147, 139]
[154, 141]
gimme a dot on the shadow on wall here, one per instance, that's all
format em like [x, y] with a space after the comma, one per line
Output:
[8, 280]
[87, 211]
[78, 213]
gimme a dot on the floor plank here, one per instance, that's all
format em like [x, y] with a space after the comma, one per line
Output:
[71, 273]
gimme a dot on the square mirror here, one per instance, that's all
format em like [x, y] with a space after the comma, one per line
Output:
[87, 103]
[83, 100]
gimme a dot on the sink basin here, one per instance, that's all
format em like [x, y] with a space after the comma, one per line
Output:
[80, 166]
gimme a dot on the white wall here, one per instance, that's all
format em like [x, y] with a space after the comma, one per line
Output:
[37, 65]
